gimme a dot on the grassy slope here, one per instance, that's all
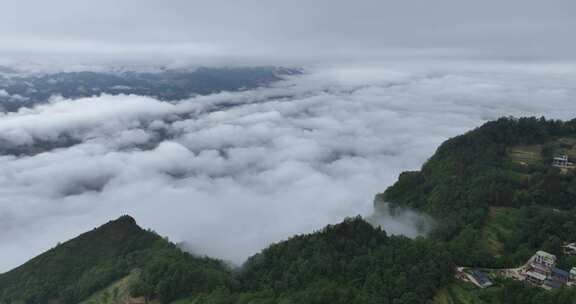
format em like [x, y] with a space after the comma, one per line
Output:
[118, 292]
[526, 154]
[502, 222]
[533, 154]
[568, 146]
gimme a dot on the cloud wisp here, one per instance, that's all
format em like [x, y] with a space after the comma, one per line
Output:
[232, 172]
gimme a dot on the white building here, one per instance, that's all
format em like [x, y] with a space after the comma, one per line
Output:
[535, 278]
[570, 249]
[560, 161]
[563, 163]
[544, 258]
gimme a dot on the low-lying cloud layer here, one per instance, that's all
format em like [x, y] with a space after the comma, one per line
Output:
[230, 173]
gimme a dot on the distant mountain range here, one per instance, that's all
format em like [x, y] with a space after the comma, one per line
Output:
[23, 90]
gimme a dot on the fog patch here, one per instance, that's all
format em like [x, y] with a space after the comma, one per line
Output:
[398, 220]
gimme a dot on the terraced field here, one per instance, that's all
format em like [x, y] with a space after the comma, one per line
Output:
[526, 155]
[533, 154]
[567, 145]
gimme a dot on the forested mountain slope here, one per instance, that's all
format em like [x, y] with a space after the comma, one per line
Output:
[503, 164]
[72, 271]
[481, 169]
[351, 262]
[497, 198]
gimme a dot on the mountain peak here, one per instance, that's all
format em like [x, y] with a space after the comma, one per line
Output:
[124, 219]
[84, 264]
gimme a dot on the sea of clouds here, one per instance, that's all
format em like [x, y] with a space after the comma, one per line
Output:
[230, 173]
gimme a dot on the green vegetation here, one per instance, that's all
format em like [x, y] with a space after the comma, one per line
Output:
[502, 224]
[116, 293]
[504, 164]
[172, 274]
[526, 155]
[565, 145]
[497, 200]
[73, 271]
[506, 292]
[351, 262]
[513, 234]
[458, 293]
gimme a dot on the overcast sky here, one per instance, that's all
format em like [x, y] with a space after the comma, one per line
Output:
[294, 30]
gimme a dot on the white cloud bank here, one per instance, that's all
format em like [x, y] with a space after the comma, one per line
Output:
[230, 173]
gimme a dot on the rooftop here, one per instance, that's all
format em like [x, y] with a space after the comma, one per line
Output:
[560, 273]
[552, 284]
[545, 254]
[536, 275]
[540, 268]
[481, 278]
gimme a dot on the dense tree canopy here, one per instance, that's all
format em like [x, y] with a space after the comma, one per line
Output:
[351, 262]
[74, 270]
[497, 199]
[474, 172]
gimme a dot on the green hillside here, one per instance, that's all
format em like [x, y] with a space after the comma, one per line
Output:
[503, 164]
[116, 293]
[76, 269]
[119, 263]
[348, 263]
[506, 292]
[497, 199]
[484, 167]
